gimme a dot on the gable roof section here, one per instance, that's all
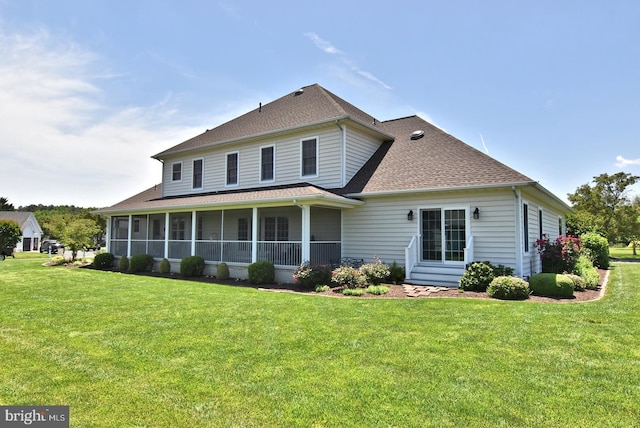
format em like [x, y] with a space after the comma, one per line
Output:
[22, 218]
[437, 161]
[307, 106]
[152, 199]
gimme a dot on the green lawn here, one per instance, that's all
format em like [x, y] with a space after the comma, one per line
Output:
[127, 351]
[624, 253]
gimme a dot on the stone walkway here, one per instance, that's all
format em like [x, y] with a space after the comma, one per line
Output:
[422, 290]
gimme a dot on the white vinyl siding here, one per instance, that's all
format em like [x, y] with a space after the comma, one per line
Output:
[359, 149]
[380, 227]
[287, 163]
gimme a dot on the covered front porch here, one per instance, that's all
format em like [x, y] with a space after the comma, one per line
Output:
[284, 235]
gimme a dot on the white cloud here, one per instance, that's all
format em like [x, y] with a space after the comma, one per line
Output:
[60, 143]
[623, 163]
[330, 49]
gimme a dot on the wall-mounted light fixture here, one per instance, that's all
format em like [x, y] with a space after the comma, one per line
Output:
[476, 214]
[410, 215]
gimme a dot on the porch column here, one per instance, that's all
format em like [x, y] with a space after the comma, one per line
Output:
[108, 240]
[129, 230]
[166, 235]
[193, 233]
[306, 233]
[254, 236]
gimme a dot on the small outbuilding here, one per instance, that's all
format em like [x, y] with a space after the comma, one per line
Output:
[31, 231]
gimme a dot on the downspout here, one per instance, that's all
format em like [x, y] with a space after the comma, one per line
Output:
[518, 224]
[343, 170]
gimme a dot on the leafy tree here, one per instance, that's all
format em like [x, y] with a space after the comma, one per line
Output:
[10, 233]
[5, 205]
[601, 206]
[78, 234]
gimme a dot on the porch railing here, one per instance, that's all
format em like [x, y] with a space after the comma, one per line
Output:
[411, 256]
[286, 253]
[325, 252]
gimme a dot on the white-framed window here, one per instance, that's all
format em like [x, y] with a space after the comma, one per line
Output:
[232, 168]
[560, 227]
[309, 157]
[525, 226]
[176, 171]
[198, 173]
[267, 163]
[540, 223]
[178, 228]
[243, 229]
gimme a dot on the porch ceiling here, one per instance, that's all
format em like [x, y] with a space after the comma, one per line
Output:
[151, 200]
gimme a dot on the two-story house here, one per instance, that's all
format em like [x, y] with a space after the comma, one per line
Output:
[310, 177]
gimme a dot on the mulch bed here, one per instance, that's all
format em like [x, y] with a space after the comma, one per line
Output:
[395, 291]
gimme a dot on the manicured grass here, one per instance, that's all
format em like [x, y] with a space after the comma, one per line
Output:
[624, 253]
[125, 351]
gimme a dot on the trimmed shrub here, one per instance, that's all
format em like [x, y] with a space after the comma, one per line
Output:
[353, 291]
[579, 284]
[192, 266]
[508, 288]
[308, 276]
[321, 288]
[397, 274]
[597, 248]
[165, 266]
[262, 272]
[222, 271]
[123, 264]
[551, 285]
[375, 272]
[103, 261]
[141, 263]
[477, 276]
[378, 290]
[585, 269]
[347, 276]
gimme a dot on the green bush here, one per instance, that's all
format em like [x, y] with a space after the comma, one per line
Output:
[597, 247]
[508, 288]
[397, 274]
[579, 284]
[262, 272]
[378, 290]
[103, 261]
[353, 291]
[165, 266]
[222, 271]
[477, 276]
[321, 288]
[123, 264]
[588, 272]
[141, 263]
[308, 276]
[375, 272]
[192, 266]
[551, 285]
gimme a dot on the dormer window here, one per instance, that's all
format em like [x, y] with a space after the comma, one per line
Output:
[309, 158]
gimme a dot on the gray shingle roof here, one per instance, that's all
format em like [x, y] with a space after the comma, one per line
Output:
[20, 217]
[309, 105]
[435, 161]
[151, 199]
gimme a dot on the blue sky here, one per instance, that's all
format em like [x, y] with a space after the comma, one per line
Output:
[89, 90]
